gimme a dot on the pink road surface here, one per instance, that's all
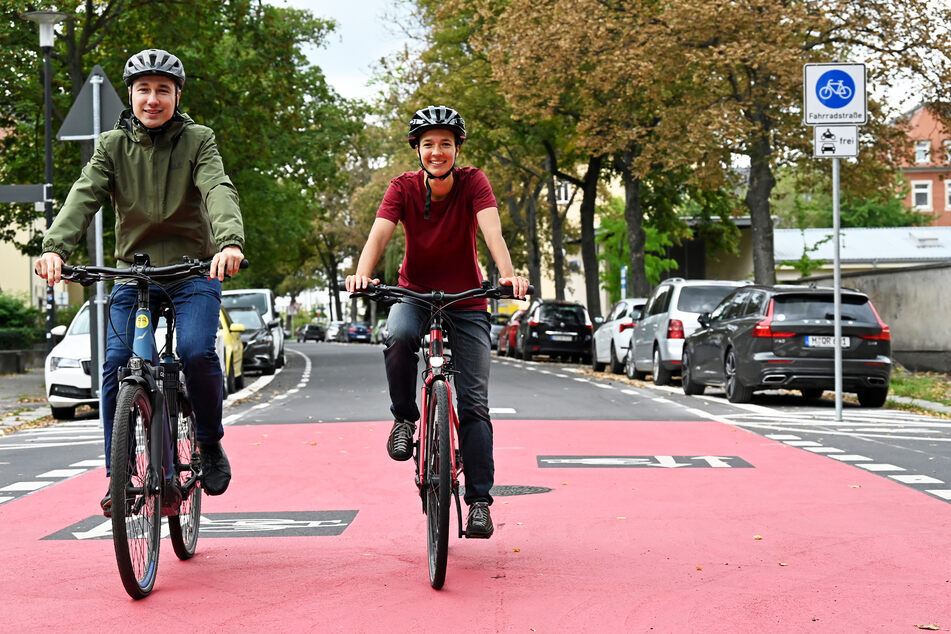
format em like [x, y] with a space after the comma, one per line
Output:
[607, 550]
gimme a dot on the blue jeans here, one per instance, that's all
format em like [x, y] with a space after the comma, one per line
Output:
[468, 332]
[197, 302]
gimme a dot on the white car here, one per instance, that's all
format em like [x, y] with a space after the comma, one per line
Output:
[613, 337]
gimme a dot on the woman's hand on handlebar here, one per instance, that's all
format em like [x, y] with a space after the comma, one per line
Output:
[518, 283]
[227, 261]
[360, 282]
[49, 266]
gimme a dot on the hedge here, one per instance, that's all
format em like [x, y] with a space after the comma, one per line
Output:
[20, 338]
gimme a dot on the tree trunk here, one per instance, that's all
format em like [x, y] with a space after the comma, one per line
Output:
[557, 231]
[589, 254]
[638, 286]
[757, 200]
[528, 224]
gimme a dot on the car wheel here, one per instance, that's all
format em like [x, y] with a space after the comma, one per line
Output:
[615, 366]
[736, 392]
[63, 413]
[595, 364]
[279, 362]
[270, 368]
[811, 393]
[229, 381]
[239, 381]
[509, 350]
[686, 378]
[630, 369]
[661, 376]
[873, 396]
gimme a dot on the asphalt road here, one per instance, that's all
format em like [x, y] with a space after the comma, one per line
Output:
[620, 506]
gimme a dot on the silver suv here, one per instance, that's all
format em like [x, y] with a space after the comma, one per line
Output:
[670, 315]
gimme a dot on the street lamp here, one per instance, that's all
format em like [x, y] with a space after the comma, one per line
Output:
[47, 20]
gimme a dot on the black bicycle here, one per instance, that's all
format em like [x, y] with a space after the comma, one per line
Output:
[437, 453]
[153, 437]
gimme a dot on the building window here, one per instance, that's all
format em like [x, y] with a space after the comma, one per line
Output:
[947, 151]
[562, 192]
[947, 195]
[923, 152]
[921, 195]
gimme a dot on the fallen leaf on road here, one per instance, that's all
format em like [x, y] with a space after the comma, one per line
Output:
[931, 626]
[757, 537]
[516, 550]
[783, 564]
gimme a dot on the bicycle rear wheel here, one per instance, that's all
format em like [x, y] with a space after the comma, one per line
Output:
[438, 483]
[183, 528]
[136, 504]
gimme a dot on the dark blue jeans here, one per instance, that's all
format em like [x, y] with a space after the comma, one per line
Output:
[197, 302]
[468, 332]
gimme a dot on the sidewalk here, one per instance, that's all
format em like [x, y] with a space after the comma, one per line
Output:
[22, 398]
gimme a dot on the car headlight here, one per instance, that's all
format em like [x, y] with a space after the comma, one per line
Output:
[64, 362]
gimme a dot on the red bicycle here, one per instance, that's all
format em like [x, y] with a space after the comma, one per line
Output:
[437, 454]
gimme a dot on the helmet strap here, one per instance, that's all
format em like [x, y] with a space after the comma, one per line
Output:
[430, 176]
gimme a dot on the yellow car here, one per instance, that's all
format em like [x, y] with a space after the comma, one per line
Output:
[230, 351]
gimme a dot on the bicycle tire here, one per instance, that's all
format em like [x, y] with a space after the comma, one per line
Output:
[136, 504]
[183, 528]
[438, 481]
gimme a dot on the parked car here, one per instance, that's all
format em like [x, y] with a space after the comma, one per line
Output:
[357, 331]
[257, 338]
[67, 367]
[669, 316]
[261, 299]
[230, 350]
[311, 332]
[333, 331]
[379, 332]
[505, 344]
[613, 337]
[497, 321]
[557, 329]
[768, 337]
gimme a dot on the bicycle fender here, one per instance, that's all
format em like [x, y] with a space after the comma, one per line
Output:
[138, 380]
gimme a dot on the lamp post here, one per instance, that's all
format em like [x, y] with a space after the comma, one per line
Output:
[47, 20]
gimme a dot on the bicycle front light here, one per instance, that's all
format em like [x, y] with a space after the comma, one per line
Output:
[436, 362]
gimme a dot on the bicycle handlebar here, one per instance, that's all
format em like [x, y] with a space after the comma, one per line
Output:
[437, 298]
[87, 275]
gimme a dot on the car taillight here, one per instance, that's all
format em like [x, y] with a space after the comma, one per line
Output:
[623, 327]
[885, 334]
[765, 327]
[675, 329]
[532, 322]
[353, 329]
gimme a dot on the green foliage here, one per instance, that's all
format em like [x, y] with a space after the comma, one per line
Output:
[614, 253]
[20, 338]
[17, 313]
[806, 265]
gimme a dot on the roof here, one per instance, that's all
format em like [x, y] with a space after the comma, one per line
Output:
[868, 245]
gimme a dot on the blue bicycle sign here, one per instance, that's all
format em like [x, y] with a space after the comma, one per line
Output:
[835, 89]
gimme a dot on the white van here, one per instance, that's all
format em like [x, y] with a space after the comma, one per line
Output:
[262, 300]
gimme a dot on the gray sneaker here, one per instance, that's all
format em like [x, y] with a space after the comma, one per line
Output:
[400, 443]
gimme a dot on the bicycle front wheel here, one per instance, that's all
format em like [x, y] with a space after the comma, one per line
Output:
[136, 505]
[438, 483]
[183, 528]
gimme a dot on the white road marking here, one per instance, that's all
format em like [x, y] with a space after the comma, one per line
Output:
[61, 473]
[916, 479]
[877, 466]
[25, 486]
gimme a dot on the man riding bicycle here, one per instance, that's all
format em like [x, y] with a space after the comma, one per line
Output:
[172, 198]
[440, 206]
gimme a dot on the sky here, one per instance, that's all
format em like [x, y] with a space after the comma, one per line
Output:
[363, 35]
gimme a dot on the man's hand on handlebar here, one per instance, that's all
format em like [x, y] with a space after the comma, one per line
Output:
[360, 282]
[227, 261]
[49, 266]
[518, 283]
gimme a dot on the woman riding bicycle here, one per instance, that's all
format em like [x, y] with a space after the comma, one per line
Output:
[440, 206]
[156, 146]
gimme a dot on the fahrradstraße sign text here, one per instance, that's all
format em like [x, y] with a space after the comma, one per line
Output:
[834, 94]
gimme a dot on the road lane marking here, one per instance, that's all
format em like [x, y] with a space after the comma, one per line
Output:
[878, 466]
[25, 486]
[61, 473]
[916, 479]
[941, 493]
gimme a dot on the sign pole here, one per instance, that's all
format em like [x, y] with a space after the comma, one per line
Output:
[837, 290]
[98, 333]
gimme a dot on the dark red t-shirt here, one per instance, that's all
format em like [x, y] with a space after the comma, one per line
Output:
[441, 251]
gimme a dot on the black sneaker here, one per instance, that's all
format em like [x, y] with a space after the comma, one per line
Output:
[171, 498]
[106, 503]
[215, 468]
[479, 524]
[400, 443]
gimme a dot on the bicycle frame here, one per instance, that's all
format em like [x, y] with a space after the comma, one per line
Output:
[435, 366]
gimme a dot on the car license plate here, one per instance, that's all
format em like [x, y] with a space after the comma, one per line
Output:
[562, 338]
[823, 341]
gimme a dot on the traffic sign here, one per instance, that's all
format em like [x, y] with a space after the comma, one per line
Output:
[834, 94]
[835, 141]
[79, 123]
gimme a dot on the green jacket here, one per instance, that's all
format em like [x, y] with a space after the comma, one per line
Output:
[171, 195]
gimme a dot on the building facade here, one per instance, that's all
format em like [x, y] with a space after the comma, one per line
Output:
[928, 169]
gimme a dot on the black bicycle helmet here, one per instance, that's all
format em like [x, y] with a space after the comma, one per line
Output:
[436, 117]
[154, 61]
